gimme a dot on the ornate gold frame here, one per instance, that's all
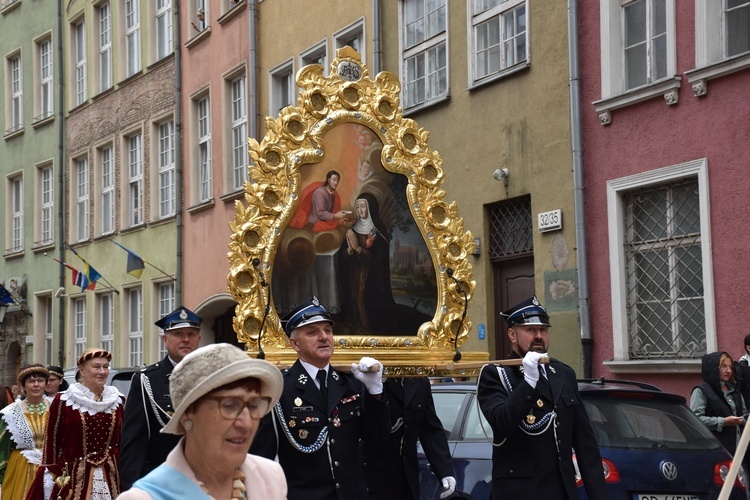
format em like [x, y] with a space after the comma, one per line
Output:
[271, 197]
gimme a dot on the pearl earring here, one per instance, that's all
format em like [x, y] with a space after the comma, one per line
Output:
[187, 424]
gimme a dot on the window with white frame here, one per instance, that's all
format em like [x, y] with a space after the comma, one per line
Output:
[79, 325]
[107, 321]
[499, 36]
[722, 31]
[105, 47]
[135, 179]
[107, 179]
[317, 54]
[82, 198]
[46, 204]
[204, 149]
[352, 36]
[199, 15]
[737, 27]
[239, 131]
[663, 291]
[163, 28]
[166, 306]
[425, 61]
[80, 60]
[47, 319]
[44, 49]
[135, 326]
[16, 213]
[282, 87]
[16, 93]
[638, 44]
[132, 37]
[166, 169]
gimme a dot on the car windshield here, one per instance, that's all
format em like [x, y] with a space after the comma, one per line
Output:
[647, 424]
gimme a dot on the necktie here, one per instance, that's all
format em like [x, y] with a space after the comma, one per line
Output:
[321, 376]
[543, 384]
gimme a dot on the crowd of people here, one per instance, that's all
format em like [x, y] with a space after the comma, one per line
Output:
[311, 431]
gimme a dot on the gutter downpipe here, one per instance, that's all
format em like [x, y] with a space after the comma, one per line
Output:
[377, 51]
[578, 198]
[178, 152]
[253, 63]
[61, 181]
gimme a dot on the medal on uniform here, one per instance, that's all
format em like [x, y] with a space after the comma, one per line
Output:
[336, 421]
[297, 401]
[530, 418]
[303, 433]
[539, 403]
[292, 422]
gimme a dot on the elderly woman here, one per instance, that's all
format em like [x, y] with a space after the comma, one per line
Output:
[81, 445]
[22, 427]
[211, 388]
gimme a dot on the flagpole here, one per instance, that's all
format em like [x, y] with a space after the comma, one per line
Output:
[160, 270]
[90, 267]
[144, 261]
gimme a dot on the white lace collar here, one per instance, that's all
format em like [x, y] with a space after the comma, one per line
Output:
[79, 397]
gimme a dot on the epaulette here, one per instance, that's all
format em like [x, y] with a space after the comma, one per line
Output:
[285, 372]
[150, 368]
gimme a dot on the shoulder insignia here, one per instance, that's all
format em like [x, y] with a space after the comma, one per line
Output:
[335, 375]
[303, 378]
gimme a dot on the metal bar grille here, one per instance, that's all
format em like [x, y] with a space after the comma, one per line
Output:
[666, 317]
[510, 228]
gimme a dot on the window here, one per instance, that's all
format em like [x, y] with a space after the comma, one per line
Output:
[107, 321]
[166, 306]
[239, 132]
[44, 107]
[79, 326]
[47, 318]
[317, 55]
[163, 28]
[499, 36]
[638, 45]
[352, 36]
[425, 63]
[16, 93]
[132, 37]
[80, 59]
[282, 87]
[108, 189]
[204, 150]
[16, 213]
[82, 199]
[135, 180]
[46, 213]
[736, 27]
[166, 169]
[662, 287]
[199, 13]
[105, 47]
[135, 327]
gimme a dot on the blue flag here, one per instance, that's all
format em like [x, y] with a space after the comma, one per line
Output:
[5, 297]
[135, 265]
[91, 274]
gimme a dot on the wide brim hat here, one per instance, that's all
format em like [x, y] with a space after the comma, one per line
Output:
[308, 312]
[213, 366]
[528, 312]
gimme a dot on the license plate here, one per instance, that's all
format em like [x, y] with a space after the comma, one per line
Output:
[669, 496]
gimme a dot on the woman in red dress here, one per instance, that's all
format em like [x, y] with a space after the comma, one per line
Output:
[81, 445]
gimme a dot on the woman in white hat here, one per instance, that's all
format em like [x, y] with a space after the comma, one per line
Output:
[211, 388]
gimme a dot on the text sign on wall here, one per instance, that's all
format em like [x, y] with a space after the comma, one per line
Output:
[549, 221]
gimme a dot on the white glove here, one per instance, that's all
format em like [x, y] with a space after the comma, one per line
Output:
[373, 381]
[449, 483]
[531, 367]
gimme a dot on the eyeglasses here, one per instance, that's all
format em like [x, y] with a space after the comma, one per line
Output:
[38, 380]
[231, 407]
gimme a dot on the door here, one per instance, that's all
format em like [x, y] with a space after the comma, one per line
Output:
[514, 283]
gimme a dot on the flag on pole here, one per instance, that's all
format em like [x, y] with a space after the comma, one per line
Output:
[135, 265]
[5, 297]
[91, 274]
[79, 278]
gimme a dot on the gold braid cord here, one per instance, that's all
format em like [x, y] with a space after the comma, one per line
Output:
[272, 192]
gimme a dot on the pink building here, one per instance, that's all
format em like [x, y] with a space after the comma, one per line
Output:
[665, 93]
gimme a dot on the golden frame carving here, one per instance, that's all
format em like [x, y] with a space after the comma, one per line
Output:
[272, 193]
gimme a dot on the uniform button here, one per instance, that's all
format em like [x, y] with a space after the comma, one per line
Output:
[338, 485]
[336, 463]
[333, 441]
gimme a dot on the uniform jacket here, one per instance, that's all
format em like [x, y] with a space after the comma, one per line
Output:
[529, 463]
[143, 447]
[413, 418]
[317, 442]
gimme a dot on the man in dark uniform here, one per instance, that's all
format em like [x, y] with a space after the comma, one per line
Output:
[316, 428]
[392, 469]
[148, 407]
[537, 417]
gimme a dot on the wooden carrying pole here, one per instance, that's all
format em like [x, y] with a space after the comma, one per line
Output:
[454, 366]
[726, 488]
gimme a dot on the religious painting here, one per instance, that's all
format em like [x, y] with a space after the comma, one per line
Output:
[344, 201]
